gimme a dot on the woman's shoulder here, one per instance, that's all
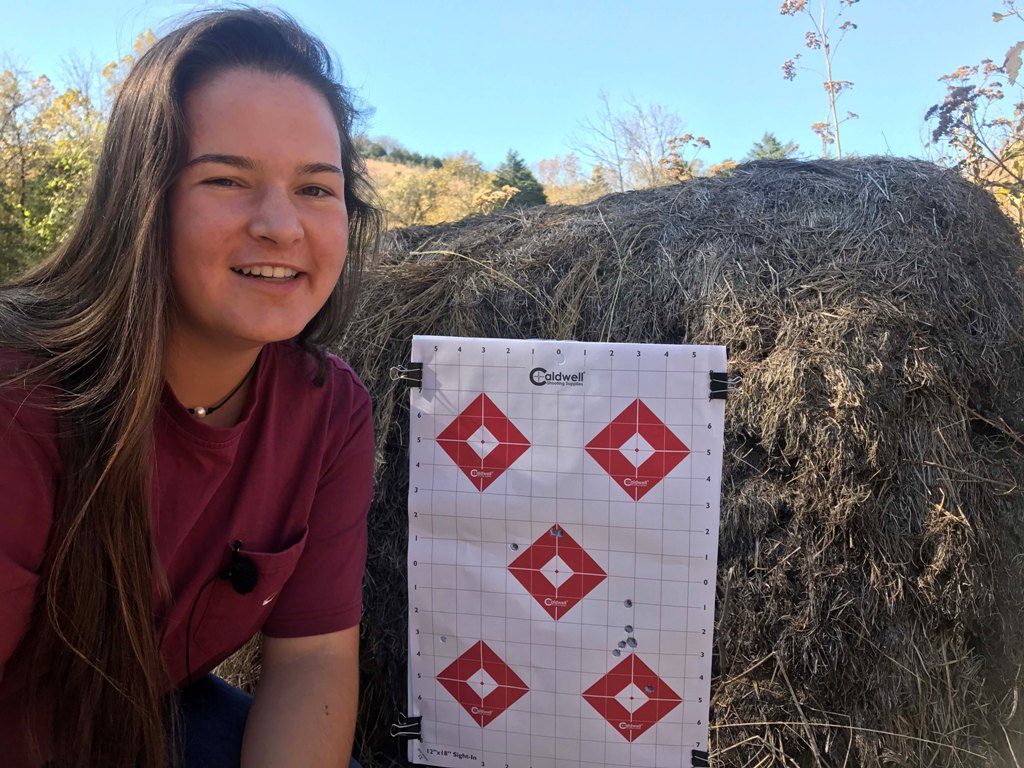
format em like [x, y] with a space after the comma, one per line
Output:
[305, 366]
[341, 388]
[13, 361]
[27, 402]
[339, 409]
[21, 379]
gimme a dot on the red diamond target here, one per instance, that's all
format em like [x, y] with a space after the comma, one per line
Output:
[482, 683]
[637, 449]
[557, 571]
[483, 442]
[631, 697]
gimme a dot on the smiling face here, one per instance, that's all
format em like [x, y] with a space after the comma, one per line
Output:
[259, 228]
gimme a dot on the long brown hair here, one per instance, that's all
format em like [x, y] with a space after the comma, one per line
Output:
[94, 316]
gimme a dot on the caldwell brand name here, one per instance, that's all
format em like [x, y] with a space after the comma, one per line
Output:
[479, 711]
[541, 376]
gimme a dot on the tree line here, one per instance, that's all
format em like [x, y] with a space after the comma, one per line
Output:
[49, 143]
[50, 140]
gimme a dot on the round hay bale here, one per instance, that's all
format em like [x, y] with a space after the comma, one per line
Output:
[871, 556]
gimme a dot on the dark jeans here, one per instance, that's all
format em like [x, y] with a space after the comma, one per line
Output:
[213, 715]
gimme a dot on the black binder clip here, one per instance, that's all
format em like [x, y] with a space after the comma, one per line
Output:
[407, 728]
[698, 759]
[719, 385]
[411, 374]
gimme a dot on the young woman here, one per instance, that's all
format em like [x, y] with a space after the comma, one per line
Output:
[181, 464]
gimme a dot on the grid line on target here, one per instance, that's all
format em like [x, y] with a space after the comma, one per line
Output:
[620, 531]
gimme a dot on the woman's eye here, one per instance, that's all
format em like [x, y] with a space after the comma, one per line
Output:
[221, 182]
[313, 191]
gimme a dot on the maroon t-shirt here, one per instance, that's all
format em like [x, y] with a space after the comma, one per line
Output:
[292, 481]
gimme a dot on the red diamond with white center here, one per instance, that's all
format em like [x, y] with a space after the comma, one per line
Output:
[637, 449]
[632, 698]
[483, 442]
[482, 683]
[557, 571]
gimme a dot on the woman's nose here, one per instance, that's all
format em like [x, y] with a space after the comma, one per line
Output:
[275, 218]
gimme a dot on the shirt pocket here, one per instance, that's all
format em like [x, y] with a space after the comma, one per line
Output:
[229, 619]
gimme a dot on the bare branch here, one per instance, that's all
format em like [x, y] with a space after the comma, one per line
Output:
[628, 143]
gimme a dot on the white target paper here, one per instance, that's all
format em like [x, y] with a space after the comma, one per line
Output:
[563, 532]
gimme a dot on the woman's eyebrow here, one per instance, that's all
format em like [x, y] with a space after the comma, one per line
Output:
[309, 168]
[237, 161]
[248, 164]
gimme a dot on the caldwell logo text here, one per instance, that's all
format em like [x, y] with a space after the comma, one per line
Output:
[540, 377]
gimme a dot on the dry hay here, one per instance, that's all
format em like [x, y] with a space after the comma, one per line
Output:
[870, 581]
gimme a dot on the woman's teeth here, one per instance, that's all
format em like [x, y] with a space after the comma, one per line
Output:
[267, 272]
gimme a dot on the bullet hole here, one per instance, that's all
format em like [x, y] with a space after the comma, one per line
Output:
[628, 603]
[648, 689]
[622, 643]
[444, 638]
[616, 652]
[557, 532]
[628, 628]
[631, 642]
[514, 547]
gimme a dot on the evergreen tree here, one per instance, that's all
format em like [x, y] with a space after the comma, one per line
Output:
[770, 148]
[515, 173]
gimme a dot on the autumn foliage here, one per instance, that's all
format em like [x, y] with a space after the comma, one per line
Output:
[979, 127]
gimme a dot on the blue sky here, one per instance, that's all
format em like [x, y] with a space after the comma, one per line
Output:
[483, 76]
